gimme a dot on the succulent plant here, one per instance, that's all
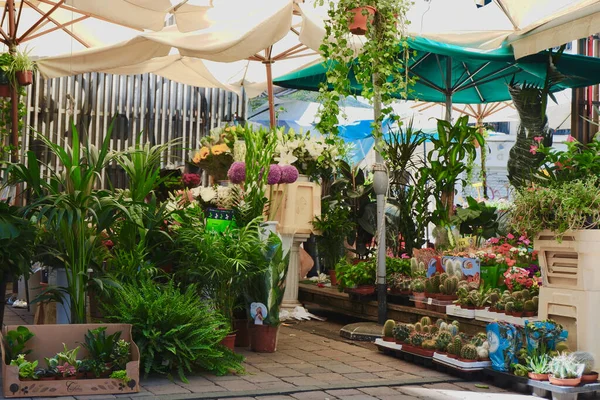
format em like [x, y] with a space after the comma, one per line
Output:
[433, 329]
[418, 327]
[426, 329]
[443, 277]
[411, 327]
[536, 301]
[417, 286]
[428, 286]
[585, 358]
[439, 323]
[416, 339]
[529, 306]
[483, 353]
[442, 340]
[525, 294]
[469, 352]
[435, 283]
[455, 346]
[425, 321]
[478, 339]
[562, 347]
[428, 344]
[518, 296]
[456, 324]
[401, 332]
[509, 306]
[565, 366]
[443, 326]
[453, 268]
[388, 328]
[452, 329]
[417, 268]
[494, 298]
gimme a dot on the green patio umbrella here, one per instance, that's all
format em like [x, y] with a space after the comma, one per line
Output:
[452, 74]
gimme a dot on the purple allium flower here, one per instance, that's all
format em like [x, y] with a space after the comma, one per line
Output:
[274, 174]
[237, 172]
[289, 174]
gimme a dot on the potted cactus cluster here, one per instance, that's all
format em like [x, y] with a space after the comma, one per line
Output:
[425, 339]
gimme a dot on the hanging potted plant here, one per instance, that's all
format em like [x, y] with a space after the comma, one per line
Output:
[23, 67]
[362, 17]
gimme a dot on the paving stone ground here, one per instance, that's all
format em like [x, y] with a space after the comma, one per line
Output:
[313, 363]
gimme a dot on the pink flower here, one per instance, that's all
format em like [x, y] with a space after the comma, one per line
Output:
[190, 180]
[510, 236]
[526, 242]
[570, 138]
[237, 172]
[538, 139]
[559, 165]
[289, 174]
[405, 256]
[533, 149]
[494, 240]
[274, 176]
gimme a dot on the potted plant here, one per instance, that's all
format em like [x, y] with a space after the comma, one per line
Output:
[401, 333]
[388, 330]
[357, 279]
[538, 364]
[418, 288]
[26, 368]
[23, 67]
[264, 295]
[587, 359]
[15, 343]
[101, 350]
[222, 264]
[565, 370]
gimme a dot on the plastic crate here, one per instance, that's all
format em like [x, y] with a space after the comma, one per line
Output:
[576, 311]
[571, 263]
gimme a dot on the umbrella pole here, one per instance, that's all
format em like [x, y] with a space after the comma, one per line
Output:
[14, 95]
[270, 93]
[449, 89]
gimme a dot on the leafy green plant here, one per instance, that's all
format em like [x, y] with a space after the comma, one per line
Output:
[538, 362]
[577, 162]
[121, 354]
[67, 356]
[221, 264]
[26, 368]
[451, 146]
[101, 346]
[69, 205]
[477, 219]
[567, 206]
[335, 225]
[250, 203]
[120, 375]
[175, 330]
[352, 275]
[16, 340]
[379, 66]
[268, 286]
[21, 61]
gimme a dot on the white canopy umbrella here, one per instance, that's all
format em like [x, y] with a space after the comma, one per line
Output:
[246, 45]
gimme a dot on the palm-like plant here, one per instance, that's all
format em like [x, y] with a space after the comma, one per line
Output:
[221, 264]
[70, 206]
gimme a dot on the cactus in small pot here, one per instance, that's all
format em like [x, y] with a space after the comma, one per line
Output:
[418, 327]
[425, 321]
[401, 333]
[433, 329]
[536, 301]
[435, 283]
[417, 339]
[428, 344]
[469, 352]
[417, 286]
[428, 286]
[585, 358]
[442, 340]
[388, 329]
[455, 346]
[525, 294]
[509, 307]
[439, 323]
[426, 329]
[452, 329]
[529, 307]
[565, 370]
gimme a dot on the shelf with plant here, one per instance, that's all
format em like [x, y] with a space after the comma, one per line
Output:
[353, 276]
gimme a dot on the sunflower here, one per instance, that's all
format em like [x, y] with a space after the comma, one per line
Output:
[220, 149]
[201, 154]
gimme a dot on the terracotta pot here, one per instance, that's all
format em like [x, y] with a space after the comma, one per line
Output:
[420, 302]
[229, 341]
[332, 277]
[263, 338]
[589, 378]
[564, 382]
[24, 78]
[81, 375]
[529, 313]
[447, 297]
[537, 377]
[399, 342]
[417, 350]
[363, 290]
[4, 91]
[48, 378]
[358, 26]
[452, 355]
[242, 334]
[517, 314]
[465, 360]
[389, 339]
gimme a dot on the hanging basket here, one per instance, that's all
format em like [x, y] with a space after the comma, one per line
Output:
[25, 78]
[358, 26]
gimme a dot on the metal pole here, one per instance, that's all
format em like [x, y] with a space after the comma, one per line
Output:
[272, 121]
[449, 89]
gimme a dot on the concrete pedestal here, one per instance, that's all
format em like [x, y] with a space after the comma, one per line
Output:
[290, 297]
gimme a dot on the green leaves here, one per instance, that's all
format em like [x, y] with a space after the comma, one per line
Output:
[175, 330]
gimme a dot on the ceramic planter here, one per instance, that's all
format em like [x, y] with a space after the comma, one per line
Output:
[25, 78]
[537, 377]
[589, 378]
[564, 382]
[360, 19]
[263, 338]
[229, 341]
